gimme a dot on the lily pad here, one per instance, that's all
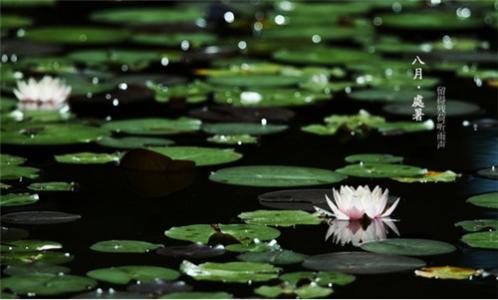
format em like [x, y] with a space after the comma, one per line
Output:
[307, 291]
[230, 272]
[429, 20]
[393, 128]
[9, 234]
[487, 240]
[281, 257]
[275, 176]
[452, 108]
[447, 272]
[47, 284]
[203, 233]
[478, 225]
[148, 16]
[125, 274]
[228, 113]
[198, 295]
[76, 35]
[192, 251]
[53, 186]
[378, 170]
[403, 95]
[194, 92]
[284, 218]
[491, 173]
[39, 217]
[35, 258]
[362, 263]
[352, 124]
[201, 156]
[488, 200]
[10, 172]
[51, 134]
[133, 142]
[302, 199]
[431, 176]
[374, 158]
[238, 139]
[243, 128]
[159, 287]
[124, 246]
[17, 199]
[109, 294]
[269, 97]
[255, 246]
[325, 279]
[257, 80]
[88, 158]
[154, 126]
[326, 56]
[29, 246]
[194, 39]
[35, 269]
[410, 247]
[10, 21]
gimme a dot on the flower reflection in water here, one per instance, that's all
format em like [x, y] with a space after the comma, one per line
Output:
[355, 232]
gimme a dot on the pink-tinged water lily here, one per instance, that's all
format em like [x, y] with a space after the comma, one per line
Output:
[47, 94]
[353, 204]
[354, 232]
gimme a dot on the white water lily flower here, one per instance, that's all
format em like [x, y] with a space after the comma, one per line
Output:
[353, 232]
[353, 204]
[47, 94]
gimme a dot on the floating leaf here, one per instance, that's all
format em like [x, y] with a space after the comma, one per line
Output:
[32, 258]
[11, 160]
[198, 295]
[124, 246]
[29, 246]
[431, 176]
[374, 158]
[280, 257]
[283, 218]
[255, 246]
[377, 170]
[9, 234]
[35, 269]
[124, 274]
[10, 172]
[491, 173]
[302, 199]
[146, 160]
[88, 158]
[256, 80]
[326, 56]
[228, 113]
[275, 176]
[109, 294]
[16, 199]
[361, 263]
[238, 139]
[391, 95]
[159, 287]
[76, 35]
[133, 142]
[47, 284]
[192, 251]
[230, 272]
[452, 108]
[308, 291]
[259, 97]
[478, 225]
[194, 39]
[410, 247]
[448, 272]
[39, 217]
[433, 20]
[194, 92]
[202, 233]
[9, 21]
[154, 126]
[325, 279]
[243, 128]
[148, 16]
[487, 240]
[53, 186]
[489, 200]
[201, 156]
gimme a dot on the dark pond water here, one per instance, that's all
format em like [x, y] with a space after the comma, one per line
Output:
[116, 205]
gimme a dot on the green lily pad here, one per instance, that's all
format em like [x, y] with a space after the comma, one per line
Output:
[478, 225]
[17, 199]
[312, 31]
[108, 294]
[243, 128]
[487, 240]
[154, 126]
[124, 246]
[148, 16]
[255, 246]
[29, 246]
[202, 233]
[18, 172]
[453, 108]
[54, 65]
[489, 200]
[51, 134]
[374, 158]
[53, 186]
[326, 56]
[88, 158]
[27, 3]
[6, 104]
[429, 20]
[47, 284]
[230, 272]
[193, 92]
[281, 257]
[39, 217]
[9, 21]
[410, 247]
[378, 170]
[194, 39]
[76, 35]
[40, 257]
[125, 274]
[307, 291]
[257, 80]
[403, 95]
[237, 139]
[362, 263]
[357, 123]
[198, 295]
[390, 128]
[35, 269]
[269, 97]
[201, 156]
[282, 218]
[325, 279]
[87, 85]
[430, 176]
[133, 142]
[275, 176]
[11, 160]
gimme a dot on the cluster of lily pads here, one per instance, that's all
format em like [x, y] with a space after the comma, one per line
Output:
[286, 62]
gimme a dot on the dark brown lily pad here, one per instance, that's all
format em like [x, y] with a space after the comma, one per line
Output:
[192, 251]
[226, 113]
[303, 199]
[146, 160]
[9, 234]
[39, 217]
[159, 287]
